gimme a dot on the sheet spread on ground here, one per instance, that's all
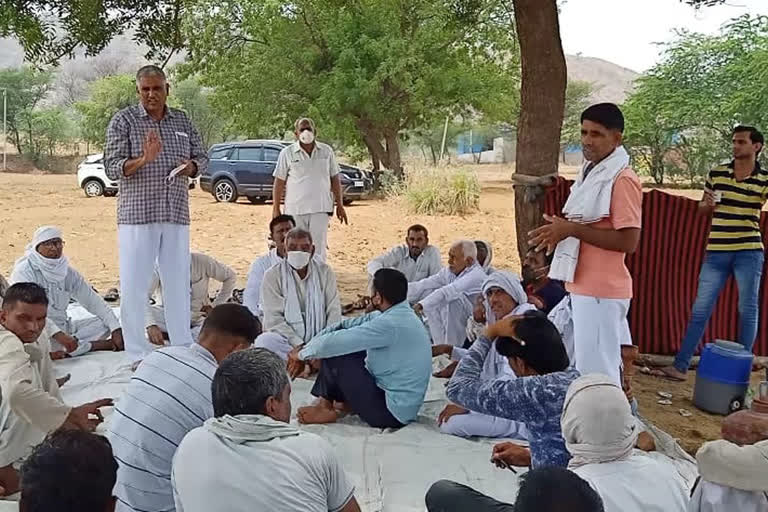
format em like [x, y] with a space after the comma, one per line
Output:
[391, 469]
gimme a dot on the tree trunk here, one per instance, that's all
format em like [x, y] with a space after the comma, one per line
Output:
[393, 152]
[372, 139]
[542, 97]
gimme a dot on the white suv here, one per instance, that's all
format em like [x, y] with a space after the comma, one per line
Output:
[92, 178]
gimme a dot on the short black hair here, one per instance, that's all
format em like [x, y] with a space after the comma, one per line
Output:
[417, 228]
[543, 349]
[754, 134]
[245, 380]
[233, 319]
[606, 114]
[279, 220]
[391, 284]
[70, 471]
[28, 293]
[572, 493]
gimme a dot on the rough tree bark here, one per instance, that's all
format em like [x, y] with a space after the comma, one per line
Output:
[542, 98]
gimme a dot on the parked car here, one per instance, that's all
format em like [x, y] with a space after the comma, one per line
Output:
[92, 178]
[245, 169]
[94, 181]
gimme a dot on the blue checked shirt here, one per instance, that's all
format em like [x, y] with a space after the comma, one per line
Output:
[146, 197]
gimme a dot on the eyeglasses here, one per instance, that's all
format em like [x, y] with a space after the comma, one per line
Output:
[55, 242]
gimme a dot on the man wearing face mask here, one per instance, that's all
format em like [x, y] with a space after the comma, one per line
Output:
[377, 365]
[543, 292]
[45, 264]
[307, 176]
[299, 296]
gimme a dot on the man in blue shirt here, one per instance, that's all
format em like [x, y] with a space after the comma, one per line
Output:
[377, 366]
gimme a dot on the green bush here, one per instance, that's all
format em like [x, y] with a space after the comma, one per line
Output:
[440, 191]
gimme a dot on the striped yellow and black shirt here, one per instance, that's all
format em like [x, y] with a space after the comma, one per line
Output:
[736, 220]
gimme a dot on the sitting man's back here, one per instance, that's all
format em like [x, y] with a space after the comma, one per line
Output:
[169, 395]
[248, 457]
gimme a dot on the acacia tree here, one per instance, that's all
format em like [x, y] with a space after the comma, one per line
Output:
[368, 69]
[26, 88]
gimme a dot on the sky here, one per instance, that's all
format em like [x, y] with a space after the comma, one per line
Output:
[624, 31]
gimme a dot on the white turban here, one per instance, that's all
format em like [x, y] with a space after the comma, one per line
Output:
[597, 422]
[507, 281]
[43, 234]
[53, 270]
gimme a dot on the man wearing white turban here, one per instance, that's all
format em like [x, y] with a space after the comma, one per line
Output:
[505, 297]
[600, 434]
[44, 264]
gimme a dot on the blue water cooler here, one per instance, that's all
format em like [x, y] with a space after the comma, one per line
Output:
[722, 378]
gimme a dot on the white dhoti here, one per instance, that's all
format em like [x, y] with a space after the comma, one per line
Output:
[600, 327]
[157, 315]
[317, 225]
[85, 330]
[448, 323]
[275, 343]
[141, 247]
[481, 425]
[712, 497]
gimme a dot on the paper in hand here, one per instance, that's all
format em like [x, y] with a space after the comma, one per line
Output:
[175, 172]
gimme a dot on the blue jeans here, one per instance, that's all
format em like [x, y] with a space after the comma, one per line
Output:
[746, 267]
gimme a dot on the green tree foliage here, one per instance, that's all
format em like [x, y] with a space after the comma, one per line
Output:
[26, 88]
[365, 70]
[107, 96]
[704, 85]
[577, 95]
[193, 99]
[48, 129]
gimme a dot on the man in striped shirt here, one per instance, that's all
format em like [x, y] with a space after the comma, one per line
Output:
[734, 195]
[169, 395]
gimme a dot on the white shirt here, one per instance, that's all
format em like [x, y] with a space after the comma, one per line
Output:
[425, 265]
[308, 178]
[252, 292]
[638, 484]
[284, 474]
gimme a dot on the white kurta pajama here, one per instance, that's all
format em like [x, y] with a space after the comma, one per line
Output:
[31, 403]
[308, 196]
[203, 268]
[296, 309]
[252, 292]
[448, 301]
[399, 258]
[153, 220]
[60, 292]
[495, 366]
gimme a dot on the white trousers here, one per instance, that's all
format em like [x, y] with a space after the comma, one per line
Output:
[712, 497]
[447, 323]
[482, 425]
[85, 330]
[317, 225]
[142, 246]
[600, 328]
[275, 343]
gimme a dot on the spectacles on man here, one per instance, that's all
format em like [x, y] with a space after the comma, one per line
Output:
[54, 242]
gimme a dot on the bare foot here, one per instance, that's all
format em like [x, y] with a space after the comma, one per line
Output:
[670, 373]
[645, 442]
[63, 380]
[315, 414]
[341, 407]
[59, 354]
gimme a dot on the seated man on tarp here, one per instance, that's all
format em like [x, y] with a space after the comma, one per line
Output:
[376, 366]
[505, 297]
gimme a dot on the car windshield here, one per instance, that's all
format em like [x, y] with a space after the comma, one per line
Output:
[94, 159]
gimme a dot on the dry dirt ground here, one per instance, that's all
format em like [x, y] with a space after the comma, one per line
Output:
[236, 233]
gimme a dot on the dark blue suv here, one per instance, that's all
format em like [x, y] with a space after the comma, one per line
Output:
[245, 169]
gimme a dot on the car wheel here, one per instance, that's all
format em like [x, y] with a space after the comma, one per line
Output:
[224, 191]
[93, 188]
[257, 199]
[347, 202]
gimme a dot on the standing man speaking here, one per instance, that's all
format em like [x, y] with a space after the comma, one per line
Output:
[152, 149]
[308, 175]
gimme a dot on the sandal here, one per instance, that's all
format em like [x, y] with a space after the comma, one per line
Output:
[662, 373]
[112, 295]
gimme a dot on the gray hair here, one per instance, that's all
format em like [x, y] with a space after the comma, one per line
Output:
[468, 248]
[150, 70]
[298, 233]
[245, 380]
[301, 120]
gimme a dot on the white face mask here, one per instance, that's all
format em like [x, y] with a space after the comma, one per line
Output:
[307, 137]
[298, 259]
